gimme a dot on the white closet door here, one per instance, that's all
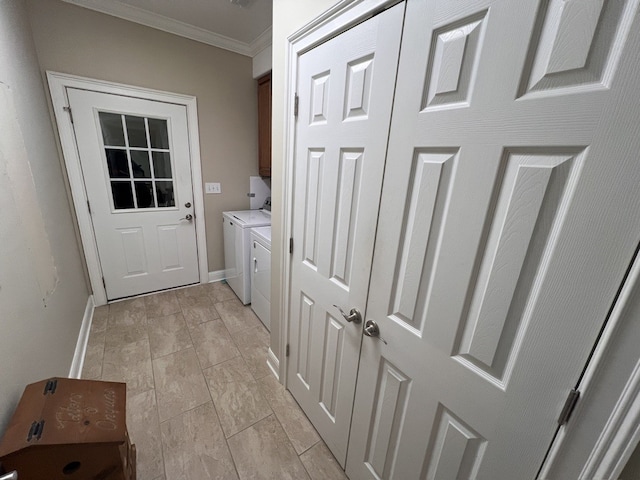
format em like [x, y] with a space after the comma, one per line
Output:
[509, 214]
[346, 90]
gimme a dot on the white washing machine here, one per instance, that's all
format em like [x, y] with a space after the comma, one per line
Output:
[261, 274]
[237, 246]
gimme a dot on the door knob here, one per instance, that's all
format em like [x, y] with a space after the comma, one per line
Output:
[188, 217]
[353, 315]
[371, 329]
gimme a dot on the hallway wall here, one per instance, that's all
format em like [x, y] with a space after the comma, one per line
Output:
[43, 292]
[79, 41]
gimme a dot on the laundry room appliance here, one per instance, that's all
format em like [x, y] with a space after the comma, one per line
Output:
[237, 246]
[261, 274]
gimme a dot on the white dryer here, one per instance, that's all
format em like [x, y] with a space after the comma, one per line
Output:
[261, 274]
[237, 227]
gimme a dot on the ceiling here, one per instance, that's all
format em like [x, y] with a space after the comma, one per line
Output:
[244, 29]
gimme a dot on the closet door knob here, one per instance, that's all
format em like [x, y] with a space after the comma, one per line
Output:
[353, 315]
[371, 329]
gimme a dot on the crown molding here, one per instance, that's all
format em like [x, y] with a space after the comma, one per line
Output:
[169, 25]
[263, 41]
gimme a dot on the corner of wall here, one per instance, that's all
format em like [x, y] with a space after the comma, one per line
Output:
[262, 62]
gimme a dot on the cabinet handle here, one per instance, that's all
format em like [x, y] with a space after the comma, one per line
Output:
[255, 265]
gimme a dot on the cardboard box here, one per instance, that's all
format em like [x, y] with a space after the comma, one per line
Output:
[66, 429]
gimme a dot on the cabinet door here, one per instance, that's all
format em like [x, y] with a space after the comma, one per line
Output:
[264, 125]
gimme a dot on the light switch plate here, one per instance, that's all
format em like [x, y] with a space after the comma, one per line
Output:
[212, 188]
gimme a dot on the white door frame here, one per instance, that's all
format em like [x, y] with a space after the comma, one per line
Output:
[334, 21]
[58, 84]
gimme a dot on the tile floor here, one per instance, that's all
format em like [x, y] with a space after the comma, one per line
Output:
[201, 402]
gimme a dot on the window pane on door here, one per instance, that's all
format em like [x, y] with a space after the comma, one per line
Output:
[111, 126]
[140, 164]
[158, 134]
[138, 151]
[122, 195]
[162, 164]
[136, 131]
[144, 194]
[117, 163]
[164, 192]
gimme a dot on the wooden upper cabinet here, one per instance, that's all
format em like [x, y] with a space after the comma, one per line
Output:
[264, 125]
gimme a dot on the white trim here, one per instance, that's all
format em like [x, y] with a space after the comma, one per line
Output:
[263, 41]
[334, 21]
[175, 27]
[217, 276]
[58, 84]
[83, 338]
[619, 437]
[273, 363]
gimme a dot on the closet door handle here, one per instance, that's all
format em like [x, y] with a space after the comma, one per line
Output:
[354, 315]
[371, 329]
[255, 265]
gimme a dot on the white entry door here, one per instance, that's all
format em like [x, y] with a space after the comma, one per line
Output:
[346, 92]
[137, 174]
[509, 214]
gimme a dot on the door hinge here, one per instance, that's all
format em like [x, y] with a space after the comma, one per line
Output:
[286, 353]
[68, 110]
[296, 100]
[104, 284]
[89, 207]
[569, 406]
[291, 245]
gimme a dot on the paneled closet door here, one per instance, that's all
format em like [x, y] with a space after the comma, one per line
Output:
[509, 214]
[345, 92]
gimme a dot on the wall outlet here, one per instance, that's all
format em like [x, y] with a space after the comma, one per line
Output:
[212, 188]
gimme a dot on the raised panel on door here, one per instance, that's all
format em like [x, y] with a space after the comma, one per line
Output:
[508, 217]
[341, 138]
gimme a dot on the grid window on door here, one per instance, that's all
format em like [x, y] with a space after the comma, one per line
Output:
[138, 161]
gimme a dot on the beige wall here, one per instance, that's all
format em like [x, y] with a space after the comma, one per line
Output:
[43, 293]
[288, 17]
[79, 41]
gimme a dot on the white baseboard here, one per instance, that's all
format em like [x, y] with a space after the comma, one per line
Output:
[273, 363]
[217, 276]
[83, 338]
